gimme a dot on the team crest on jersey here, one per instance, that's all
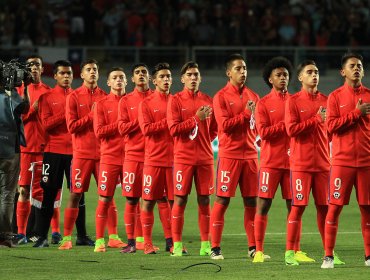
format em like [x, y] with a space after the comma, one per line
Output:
[45, 179]
[336, 195]
[78, 185]
[179, 187]
[224, 188]
[264, 188]
[299, 196]
[127, 188]
[146, 190]
[102, 187]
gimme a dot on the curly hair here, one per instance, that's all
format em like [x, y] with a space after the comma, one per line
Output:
[276, 62]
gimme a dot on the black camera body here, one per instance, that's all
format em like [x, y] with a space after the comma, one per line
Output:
[13, 74]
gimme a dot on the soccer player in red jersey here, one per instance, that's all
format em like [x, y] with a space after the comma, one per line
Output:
[157, 172]
[234, 107]
[112, 156]
[309, 154]
[35, 135]
[193, 127]
[58, 145]
[348, 123]
[134, 162]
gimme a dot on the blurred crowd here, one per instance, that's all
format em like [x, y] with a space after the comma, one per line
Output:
[185, 22]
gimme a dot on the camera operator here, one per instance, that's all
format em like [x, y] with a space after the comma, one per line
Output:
[12, 106]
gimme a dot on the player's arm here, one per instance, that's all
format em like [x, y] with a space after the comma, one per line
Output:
[293, 125]
[224, 119]
[48, 119]
[213, 127]
[125, 126]
[147, 125]
[74, 123]
[175, 123]
[101, 128]
[336, 122]
[265, 129]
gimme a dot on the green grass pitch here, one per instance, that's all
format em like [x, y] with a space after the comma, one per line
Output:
[29, 263]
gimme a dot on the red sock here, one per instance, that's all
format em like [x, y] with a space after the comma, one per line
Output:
[70, 217]
[138, 225]
[297, 244]
[55, 220]
[101, 217]
[293, 226]
[23, 211]
[321, 211]
[260, 224]
[112, 220]
[177, 222]
[365, 226]
[331, 228]
[217, 223]
[164, 210]
[147, 219]
[130, 218]
[204, 214]
[249, 213]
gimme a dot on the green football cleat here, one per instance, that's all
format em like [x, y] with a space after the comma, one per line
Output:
[258, 257]
[337, 260]
[289, 258]
[177, 249]
[205, 248]
[302, 257]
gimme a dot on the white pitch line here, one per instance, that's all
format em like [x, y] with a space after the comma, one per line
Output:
[303, 233]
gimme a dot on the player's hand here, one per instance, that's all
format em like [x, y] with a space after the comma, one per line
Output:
[251, 106]
[203, 112]
[363, 107]
[322, 113]
[92, 107]
[35, 106]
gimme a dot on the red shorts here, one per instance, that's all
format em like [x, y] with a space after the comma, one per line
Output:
[301, 184]
[108, 177]
[25, 175]
[231, 172]
[81, 171]
[342, 179]
[132, 178]
[183, 175]
[36, 192]
[269, 180]
[157, 183]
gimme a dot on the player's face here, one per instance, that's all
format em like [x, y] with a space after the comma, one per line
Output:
[191, 79]
[237, 73]
[309, 76]
[140, 76]
[90, 73]
[35, 64]
[117, 81]
[279, 79]
[353, 70]
[163, 81]
[64, 76]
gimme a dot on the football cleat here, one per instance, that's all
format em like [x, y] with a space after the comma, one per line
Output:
[66, 243]
[115, 241]
[258, 257]
[129, 249]
[100, 246]
[205, 248]
[289, 258]
[55, 238]
[328, 262]
[177, 249]
[216, 254]
[302, 257]
[252, 252]
[337, 260]
[149, 249]
[20, 239]
[84, 241]
[367, 261]
[41, 243]
[169, 244]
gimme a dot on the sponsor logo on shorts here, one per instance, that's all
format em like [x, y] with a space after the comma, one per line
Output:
[146, 190]
[299, 196]
[127, 188]
[45, 179]
[102, 187]
[224, 188]
[264, 188]
[78, 185]
[179, 187]
[336, 195]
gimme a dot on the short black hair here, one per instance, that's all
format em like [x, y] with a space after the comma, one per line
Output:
[137, 65]
[89, 61]
[276, 62]
[232, 58]
[35, 56]
[349, 55]
[63, 63]
[304, 64]
[188, 65]
[159, 67]
[114, 69]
